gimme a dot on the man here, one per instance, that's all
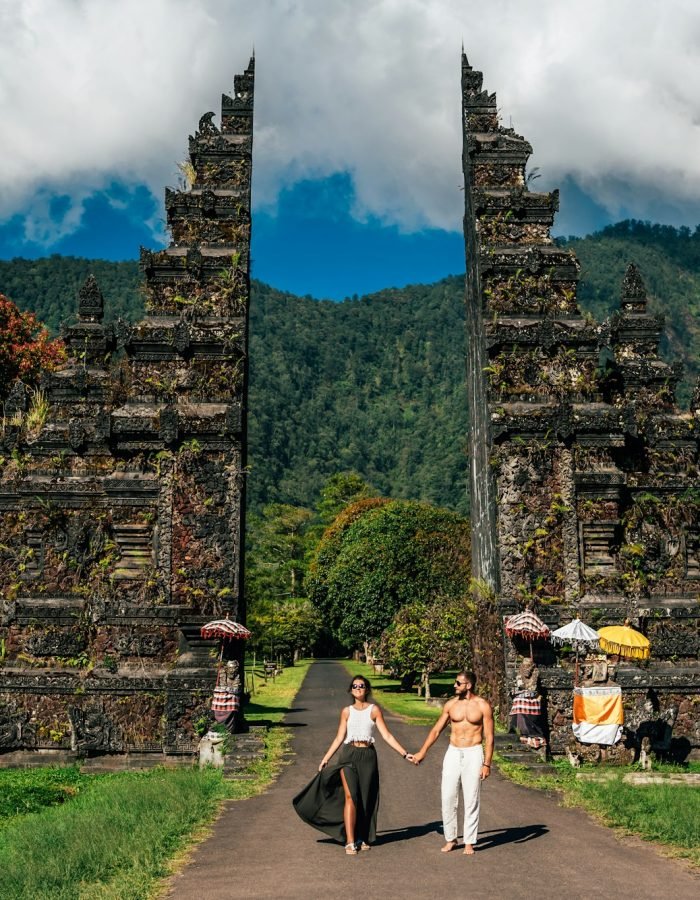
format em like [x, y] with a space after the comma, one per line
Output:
[465, 761]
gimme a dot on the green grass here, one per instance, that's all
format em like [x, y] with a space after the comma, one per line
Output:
[272, 699]
[387, 693]
[28, 790]
[68, 835]
[112, 840]
[667, 814]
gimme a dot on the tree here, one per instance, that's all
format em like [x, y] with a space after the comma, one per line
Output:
[25, 347]
[339, 491]
[379, 555]
[430, 637]
[285, 629]
[276, 553]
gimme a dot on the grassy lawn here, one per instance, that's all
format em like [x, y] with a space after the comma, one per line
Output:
[667, 814]
[271, 699]
[388, 695]
[113, 839]
[28, 790]
[83, 837]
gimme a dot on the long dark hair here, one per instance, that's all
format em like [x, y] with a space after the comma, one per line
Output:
[366, 683]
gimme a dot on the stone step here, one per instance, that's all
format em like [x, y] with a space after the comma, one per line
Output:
[509, 738]
[37, 758]
[515, 753]
[690, 779]
[130, 762]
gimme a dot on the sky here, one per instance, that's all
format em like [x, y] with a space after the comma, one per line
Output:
[357, 179]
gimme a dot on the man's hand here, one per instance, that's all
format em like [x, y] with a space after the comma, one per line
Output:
[485, 771]
[417, 758]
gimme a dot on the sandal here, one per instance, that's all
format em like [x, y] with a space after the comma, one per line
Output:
[363, 845]
[350, 850]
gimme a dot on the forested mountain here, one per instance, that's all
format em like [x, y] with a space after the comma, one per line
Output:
[376, 384]
[49, 286]
[669, 260]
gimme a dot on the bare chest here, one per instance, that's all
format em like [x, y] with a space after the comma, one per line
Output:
[466, 716]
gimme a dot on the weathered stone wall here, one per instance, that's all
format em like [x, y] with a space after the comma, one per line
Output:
[597, 483]
[122, 487]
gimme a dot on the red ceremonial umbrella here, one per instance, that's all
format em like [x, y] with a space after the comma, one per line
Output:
[227, 630]
[526, 625]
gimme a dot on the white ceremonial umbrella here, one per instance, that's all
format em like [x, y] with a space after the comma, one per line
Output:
[579, 635]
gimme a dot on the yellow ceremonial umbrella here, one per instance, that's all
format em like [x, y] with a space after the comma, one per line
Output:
[625, 641]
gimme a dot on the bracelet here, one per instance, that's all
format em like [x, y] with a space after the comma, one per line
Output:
[488, 765]
[405, 754]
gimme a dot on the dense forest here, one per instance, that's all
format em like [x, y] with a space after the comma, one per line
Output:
[669, 260]
[376, 384]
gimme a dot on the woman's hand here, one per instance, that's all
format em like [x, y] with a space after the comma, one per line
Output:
[322, 765]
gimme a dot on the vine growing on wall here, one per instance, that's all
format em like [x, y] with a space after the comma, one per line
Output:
[535, 372]
[542, 554]
[656, 529]
[522, 293]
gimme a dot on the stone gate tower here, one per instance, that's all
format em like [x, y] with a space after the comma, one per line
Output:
[122, 487]
[584, 477]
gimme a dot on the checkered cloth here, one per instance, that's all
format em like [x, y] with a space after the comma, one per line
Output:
[225, 701]
[526, 703]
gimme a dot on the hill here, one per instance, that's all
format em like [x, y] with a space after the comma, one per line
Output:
[669, 260]
[376, 384]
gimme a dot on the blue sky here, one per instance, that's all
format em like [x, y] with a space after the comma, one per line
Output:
[357, 156]
[309, 244]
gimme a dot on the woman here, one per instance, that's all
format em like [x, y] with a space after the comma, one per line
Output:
[342, 799]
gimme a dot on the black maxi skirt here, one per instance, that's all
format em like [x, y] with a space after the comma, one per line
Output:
[321, 803]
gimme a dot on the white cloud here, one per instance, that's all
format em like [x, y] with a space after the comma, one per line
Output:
[96, 90]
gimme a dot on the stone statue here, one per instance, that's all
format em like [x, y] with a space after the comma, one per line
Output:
[526, 709]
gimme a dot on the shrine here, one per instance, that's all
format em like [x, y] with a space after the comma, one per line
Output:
[122, 493]
[584, 478]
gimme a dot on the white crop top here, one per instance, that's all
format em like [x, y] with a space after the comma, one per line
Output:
[360, 725]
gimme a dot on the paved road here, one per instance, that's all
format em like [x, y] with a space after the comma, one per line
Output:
[528, 846]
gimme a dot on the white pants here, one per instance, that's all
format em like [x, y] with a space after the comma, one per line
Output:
[461, 764]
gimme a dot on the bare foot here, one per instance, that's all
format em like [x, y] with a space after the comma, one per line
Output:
[450, 845]
[469, 849]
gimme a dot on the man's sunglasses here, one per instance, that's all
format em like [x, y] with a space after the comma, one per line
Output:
[460, 683]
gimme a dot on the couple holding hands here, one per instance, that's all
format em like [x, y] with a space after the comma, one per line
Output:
[342, 799]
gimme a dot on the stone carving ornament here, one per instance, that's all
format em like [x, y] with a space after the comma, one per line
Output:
[15, 730]
[92, 730]
[206, 126]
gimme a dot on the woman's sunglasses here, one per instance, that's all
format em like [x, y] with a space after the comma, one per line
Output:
[357, 687]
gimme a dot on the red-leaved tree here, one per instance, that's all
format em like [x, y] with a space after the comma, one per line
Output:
[25, 347]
